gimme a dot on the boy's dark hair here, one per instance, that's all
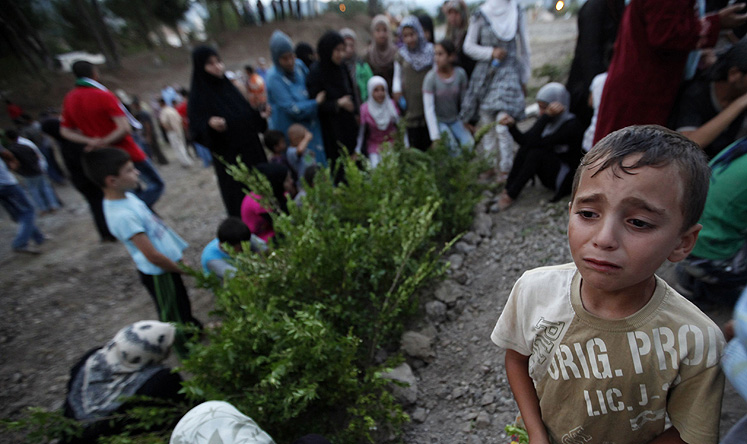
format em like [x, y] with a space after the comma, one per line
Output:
[735, 57]
[309, 174]
[249, 69]
[11, 134]
[81, 68]
[660, 147]
[448, 46]
[233, 231]
[272, 138]
[98, 164]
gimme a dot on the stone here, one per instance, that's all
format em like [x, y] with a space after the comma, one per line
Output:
[487, 398]
[419, 415]
[407, 394]
[455, 261]
[471, 238]
[482, 421]
[436, 311]
[418, 345]
[448, 293]
[464, 248]
[458, 392]
[483, 225]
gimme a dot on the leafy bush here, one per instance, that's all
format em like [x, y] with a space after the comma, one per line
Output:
[302, 324]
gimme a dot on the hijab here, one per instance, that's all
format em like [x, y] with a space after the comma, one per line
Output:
[276, 174]
[382, 113]
[280, 44]
[213, 96]
[335, 79]
[381, 58]
[457, 34]
[120, 368]
[503, 16]
[422, 56]
[427, 23]
[218, 422]
[304, 51]
[555, 92]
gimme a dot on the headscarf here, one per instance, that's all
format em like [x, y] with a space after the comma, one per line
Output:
[382, 113]
[334, 77]
[276, 174]
[217, 96]
[503, 16]
[218, 422]
[381, 58]
[304, 51]
[422, 56]
[280, 44]
[555, 92]
[427, 23]
[348, 33]
[457, 34]
[120, 368]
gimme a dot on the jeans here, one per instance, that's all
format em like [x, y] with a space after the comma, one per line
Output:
[154, 185]
[204, 154]
[459, 136]
[41, 192]
[15, 201]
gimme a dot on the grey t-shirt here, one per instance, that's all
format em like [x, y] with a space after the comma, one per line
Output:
[447, 93]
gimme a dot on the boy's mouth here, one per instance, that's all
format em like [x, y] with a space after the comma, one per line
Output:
[600, 265]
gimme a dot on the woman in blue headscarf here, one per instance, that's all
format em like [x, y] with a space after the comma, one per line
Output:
[288, 97]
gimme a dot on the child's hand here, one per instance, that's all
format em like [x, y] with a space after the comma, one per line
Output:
[499, 53]
[266, 111]
[217, 123]
[308, 136]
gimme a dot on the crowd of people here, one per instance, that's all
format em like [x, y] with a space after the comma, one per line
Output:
[636, 63]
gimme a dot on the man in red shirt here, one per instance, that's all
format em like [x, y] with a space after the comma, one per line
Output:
[93, 116]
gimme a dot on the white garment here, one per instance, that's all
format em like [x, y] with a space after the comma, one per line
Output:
[596, 89]
[179, 146]
[502, 15]
[500, 136]
[218, 422]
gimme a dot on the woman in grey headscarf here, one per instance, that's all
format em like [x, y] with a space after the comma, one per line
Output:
[287, 94]
[129, 365]
[550, 149]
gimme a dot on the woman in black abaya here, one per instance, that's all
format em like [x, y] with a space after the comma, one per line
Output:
[337, 112]
[221, 119]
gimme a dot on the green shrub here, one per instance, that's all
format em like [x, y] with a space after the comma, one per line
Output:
[302, 324]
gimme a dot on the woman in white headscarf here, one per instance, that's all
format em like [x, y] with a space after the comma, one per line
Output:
[128, 365]
[379, 117]
[550, 149]
[497, 39]
[218, 422]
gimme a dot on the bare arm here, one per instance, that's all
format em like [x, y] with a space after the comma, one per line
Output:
[75, 136]
[709, 131]
[123, 128]
[517, 370]
[155, 257]
[669, 436]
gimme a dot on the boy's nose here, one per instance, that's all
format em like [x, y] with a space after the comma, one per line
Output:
[606, 236]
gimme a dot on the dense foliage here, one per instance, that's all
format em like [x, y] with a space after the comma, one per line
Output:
[303, 324]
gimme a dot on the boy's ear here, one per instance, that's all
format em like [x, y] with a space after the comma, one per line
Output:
[686, 245]
[110, 180]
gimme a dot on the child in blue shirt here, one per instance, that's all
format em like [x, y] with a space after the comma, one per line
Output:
[155, 248]
[234, 232]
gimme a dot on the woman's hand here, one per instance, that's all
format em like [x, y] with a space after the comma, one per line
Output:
[320, 97]
[217, 123]
[555, 109]
[346, 103]
[507, 120]
[499, 53]
[265, 111]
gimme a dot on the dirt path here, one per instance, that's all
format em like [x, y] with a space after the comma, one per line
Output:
[78, 293]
